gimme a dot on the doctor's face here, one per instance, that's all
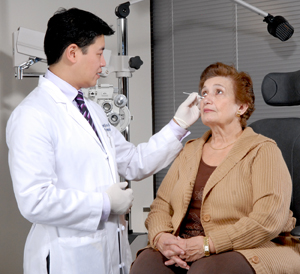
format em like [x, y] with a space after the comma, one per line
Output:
[91, 63]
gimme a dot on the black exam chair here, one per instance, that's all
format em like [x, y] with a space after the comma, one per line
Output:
[283, 89]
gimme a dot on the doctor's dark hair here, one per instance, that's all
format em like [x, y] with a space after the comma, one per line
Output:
[242, 84]
[72, 26]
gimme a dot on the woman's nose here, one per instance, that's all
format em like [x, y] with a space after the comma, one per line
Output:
[206, 99]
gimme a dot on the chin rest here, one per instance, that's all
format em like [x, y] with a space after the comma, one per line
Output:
[283, 89]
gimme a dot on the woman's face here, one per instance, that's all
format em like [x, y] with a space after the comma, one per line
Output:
[219, 107]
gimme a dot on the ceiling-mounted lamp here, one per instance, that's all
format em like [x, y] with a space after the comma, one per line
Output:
[278, 26]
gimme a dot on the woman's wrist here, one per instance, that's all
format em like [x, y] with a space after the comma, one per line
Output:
[156, 239]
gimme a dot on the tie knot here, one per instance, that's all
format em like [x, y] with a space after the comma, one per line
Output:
[79, 98]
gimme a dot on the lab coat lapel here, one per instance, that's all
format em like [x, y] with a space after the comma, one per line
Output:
[79, 118]
[74, 112]
[97, 122]
[106, 141]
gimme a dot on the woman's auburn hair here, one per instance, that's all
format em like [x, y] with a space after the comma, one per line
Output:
[242, 84]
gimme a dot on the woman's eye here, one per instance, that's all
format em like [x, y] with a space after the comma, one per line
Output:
[219, 91]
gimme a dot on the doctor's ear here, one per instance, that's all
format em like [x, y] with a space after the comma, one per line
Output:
[71, 53]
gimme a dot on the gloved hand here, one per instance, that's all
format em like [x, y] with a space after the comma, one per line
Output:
[120, 198]
[189, 111]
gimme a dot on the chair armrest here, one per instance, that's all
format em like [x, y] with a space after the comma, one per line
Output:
[296, 232]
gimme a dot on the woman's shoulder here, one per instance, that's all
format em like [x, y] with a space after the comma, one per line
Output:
[255, 141]
[257, 138]
[195, 145]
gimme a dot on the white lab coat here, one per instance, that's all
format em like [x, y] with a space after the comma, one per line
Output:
[59, 171]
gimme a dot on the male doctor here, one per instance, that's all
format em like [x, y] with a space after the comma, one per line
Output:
[65, 160]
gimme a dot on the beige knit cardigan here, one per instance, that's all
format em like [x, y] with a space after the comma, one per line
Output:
[245, 203]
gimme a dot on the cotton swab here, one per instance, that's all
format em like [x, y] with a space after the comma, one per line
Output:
[201, 97]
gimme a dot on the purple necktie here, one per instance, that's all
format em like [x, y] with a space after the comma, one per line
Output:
[84, 110]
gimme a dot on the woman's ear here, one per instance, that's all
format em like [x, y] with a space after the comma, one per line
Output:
[243, 108]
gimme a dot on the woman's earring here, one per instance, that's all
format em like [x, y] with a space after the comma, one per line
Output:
[238, 114]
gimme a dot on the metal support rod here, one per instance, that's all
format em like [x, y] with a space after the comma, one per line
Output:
[31, 61]
[28, 75]
[123, 88]
[123, 83]
[250, 7]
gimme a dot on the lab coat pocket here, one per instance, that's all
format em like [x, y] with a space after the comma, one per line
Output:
[88, 255]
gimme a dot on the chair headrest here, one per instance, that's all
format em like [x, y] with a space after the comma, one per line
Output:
[281, 89]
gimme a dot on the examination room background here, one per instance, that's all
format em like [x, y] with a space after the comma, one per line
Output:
[185, 37]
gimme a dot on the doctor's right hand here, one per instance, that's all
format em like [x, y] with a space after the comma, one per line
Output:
[120, 198]
[189, 111]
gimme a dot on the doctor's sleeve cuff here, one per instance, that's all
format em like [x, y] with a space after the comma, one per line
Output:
[179, 132]
[106, 208]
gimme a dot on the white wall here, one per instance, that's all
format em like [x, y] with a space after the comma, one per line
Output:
[34, 14]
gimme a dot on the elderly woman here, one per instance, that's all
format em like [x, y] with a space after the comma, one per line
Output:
[223, 207]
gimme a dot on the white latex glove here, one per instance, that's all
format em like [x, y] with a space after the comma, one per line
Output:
[189, 111]
[120, 198]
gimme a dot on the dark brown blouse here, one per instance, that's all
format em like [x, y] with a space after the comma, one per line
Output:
[191, 225]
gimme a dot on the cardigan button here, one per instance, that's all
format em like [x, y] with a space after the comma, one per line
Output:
[206, 218]
[255, 259]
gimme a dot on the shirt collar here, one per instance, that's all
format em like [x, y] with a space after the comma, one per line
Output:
[69, 91]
